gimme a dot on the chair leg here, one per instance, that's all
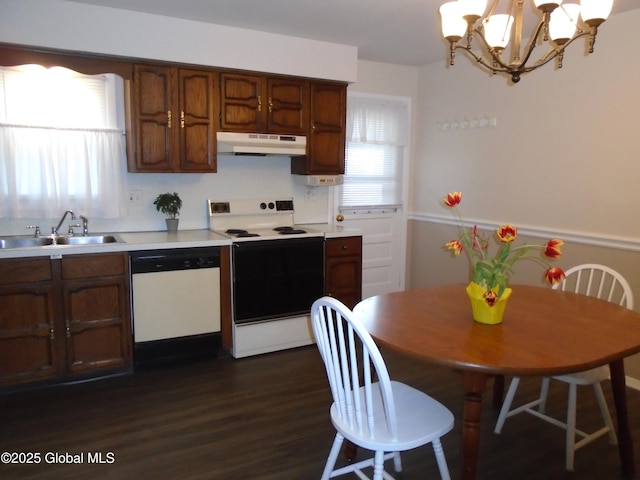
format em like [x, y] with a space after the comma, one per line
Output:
[571, 426]
[333, 457]
[544, 392]
[378, 464]
[397, 462]
[440, 458]
[506, 405]
[606, 416]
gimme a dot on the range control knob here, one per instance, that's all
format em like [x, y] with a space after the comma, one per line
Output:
[263, 206]
[271, 205]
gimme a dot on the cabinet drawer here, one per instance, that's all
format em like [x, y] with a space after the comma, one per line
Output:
[25, 270]
[336, 247]
[100, 265]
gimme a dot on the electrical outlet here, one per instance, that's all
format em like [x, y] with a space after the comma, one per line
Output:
[135, 198]
[310, 195]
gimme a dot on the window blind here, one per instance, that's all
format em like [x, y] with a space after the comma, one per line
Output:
[377, 136]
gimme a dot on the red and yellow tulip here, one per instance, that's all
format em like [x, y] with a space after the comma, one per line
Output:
[507, 233]
[493, 273]
[453, 199]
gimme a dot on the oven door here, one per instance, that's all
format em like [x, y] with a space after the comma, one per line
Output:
[276, 278]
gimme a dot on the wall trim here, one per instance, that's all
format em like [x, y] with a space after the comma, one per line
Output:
[591, 239]
[632, 383]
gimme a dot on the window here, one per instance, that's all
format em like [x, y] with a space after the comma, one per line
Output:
[62, 143]
[377, 136]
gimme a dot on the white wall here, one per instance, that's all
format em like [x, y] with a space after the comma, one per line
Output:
[564, 154]
[73, 26]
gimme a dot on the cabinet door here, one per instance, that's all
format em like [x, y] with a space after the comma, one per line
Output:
[197, 121]
[96, 312]
[154, 119]
[343, 269]
[242, 105]
[326, 141]
[29, 342]
[287, 110]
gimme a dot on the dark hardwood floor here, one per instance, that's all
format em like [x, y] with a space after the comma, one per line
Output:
[266, 418]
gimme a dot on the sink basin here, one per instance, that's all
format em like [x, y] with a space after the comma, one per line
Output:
[88, 240]
[23, 242]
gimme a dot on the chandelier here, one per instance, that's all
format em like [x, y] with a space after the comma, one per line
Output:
[559, 26]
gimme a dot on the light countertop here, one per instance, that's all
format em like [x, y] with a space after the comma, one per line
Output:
[133, 241]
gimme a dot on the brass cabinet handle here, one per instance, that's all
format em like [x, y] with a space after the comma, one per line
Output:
[259, 103]
[52, 334]
[270, 105]
[66, 322]
[181, 119]
[169, 118]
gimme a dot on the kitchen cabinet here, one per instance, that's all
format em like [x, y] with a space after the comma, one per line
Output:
[343, 269]
[64, 318]
[326, 138]
[261, 104]
[174, 120]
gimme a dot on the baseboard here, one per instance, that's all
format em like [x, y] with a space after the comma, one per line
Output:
[633, 383]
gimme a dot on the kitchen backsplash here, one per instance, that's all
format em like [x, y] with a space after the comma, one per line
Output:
[237, 177]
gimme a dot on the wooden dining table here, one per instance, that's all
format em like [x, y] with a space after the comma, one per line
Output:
[545, 332]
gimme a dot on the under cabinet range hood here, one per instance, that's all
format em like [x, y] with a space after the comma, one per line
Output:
[261, 144]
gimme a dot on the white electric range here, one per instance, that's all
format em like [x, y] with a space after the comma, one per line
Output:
[277, 270]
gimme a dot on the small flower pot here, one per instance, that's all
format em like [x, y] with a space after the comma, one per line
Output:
[482, 311]
[172, 224]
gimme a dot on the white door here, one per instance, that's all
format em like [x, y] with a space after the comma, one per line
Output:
[383, 248]
[371, 199]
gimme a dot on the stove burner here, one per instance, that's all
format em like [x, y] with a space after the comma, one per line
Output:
[247, 234]
[283, 229]
[235, 231]
[291, 231]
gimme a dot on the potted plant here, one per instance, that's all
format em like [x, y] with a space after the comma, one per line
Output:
[488, 290]
[169, 204]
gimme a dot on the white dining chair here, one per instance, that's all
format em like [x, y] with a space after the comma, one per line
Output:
[369, 410]
[596, 281]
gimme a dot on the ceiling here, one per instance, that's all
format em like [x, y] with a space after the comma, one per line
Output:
[403, 32]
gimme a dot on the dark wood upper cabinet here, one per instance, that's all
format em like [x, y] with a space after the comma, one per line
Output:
[173, 111]
[326, 139]
[259, 104]
[174, 121]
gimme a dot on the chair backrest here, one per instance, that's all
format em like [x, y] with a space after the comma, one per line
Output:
[352, 361]
[598, 281]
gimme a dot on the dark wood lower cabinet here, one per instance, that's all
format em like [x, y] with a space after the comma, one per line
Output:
[343, 269]
[64, 318]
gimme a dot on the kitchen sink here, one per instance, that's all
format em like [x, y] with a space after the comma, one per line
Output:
[88, 240]
[24, 242]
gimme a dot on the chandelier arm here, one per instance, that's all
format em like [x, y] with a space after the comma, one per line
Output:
[553, 53]
[496, 56]
[531, 46]
[501, 69]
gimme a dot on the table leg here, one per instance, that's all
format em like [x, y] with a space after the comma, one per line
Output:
[498, 391]
[625, 442]
[474, 384]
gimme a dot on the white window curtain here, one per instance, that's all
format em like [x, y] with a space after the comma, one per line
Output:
[62, 144]
[377, 136]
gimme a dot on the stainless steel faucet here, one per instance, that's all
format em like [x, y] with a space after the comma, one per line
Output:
[54, 230]
[85, 225]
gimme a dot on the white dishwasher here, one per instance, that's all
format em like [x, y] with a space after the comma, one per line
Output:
[175, 305]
